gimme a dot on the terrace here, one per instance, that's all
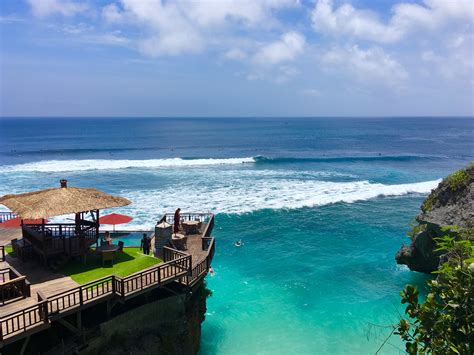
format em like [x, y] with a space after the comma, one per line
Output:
[40, 296]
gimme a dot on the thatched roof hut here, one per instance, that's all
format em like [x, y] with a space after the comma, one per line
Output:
[60, 201]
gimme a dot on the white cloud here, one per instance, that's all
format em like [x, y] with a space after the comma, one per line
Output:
[365, 24]
[366, 66]
[287, 48]
[43, 8]
[111, 13]
[235, 54]
[250, 12]
[186, 26]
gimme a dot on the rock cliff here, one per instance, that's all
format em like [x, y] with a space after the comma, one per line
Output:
[168, 326]
[450, 204]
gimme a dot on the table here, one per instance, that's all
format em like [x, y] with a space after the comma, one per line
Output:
[191, 227]
[180, 241]
[108, 248]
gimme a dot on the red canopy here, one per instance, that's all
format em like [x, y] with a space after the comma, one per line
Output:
[114, 218]
[16, 222]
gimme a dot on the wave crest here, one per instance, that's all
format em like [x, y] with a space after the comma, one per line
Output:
[105, 164]
[239, 197]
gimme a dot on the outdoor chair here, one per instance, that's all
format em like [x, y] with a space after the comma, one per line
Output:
[108, 256]
[120, 244]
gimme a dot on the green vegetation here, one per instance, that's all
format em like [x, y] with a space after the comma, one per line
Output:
[415, 229]
[128, 262]
[444, 323]
[9, 250]
[429, 203]
[457, 180]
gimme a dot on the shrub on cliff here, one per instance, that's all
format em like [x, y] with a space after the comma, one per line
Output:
[450, 186]
[444, 323]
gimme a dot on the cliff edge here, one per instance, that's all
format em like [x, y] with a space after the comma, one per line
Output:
[450, 204]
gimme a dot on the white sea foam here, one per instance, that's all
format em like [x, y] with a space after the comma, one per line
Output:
[240, 198]
[105, 164]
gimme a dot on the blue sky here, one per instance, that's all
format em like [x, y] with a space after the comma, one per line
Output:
[236, 58]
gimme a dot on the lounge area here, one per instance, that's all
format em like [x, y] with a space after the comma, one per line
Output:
[51, 270]
[125, 263]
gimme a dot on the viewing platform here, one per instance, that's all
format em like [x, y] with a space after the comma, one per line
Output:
[33, 297]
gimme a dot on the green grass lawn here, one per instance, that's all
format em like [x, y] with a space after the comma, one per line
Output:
[126, 263]
[9, 250]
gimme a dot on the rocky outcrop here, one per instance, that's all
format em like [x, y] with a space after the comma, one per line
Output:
[168, 326]
[450, 204]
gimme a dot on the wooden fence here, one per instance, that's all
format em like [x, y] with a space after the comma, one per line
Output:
[13, 285]
[80, 297]
[177, 266]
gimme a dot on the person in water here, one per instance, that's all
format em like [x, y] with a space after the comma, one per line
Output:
[177, 220]
[238, 243]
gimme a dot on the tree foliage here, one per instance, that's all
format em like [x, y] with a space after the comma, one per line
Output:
[444, 322]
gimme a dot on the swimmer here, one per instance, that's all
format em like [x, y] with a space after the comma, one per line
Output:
[211, 270]
[238, 243]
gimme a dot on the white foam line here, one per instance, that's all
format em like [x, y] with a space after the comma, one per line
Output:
[104, 164]
[241, 198]
[238, 196]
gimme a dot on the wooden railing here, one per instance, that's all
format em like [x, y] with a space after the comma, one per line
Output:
[59, 238]
[110, 286]
[23, 320]
[207, 243]
[13, 285]
[187, 216]
[203, 266]
[61, 230]
[172, 254]
[177, 266]
[5, 216]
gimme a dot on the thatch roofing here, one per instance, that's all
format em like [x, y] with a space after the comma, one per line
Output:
[60, 201]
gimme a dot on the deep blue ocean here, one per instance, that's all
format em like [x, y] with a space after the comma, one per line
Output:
[321, 205]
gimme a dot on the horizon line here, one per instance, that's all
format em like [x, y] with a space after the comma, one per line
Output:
[229, 117]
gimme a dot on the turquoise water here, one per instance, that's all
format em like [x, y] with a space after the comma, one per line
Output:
[129, 239]
[313, 280]
[322, 205]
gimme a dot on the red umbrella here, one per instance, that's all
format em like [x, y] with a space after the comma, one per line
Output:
[16, 222]
[114, 218]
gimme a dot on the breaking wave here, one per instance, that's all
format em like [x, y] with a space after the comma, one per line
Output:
[111, 164]
[242, 198]
[108, 164]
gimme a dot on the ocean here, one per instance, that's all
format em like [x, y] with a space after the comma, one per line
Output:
[321, 205]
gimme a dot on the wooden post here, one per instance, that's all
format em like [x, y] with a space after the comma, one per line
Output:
[97, 229]
[45, 311]
[81, 297]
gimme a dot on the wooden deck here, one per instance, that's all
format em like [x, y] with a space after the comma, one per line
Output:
[54, 295]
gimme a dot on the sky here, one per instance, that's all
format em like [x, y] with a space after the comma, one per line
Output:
[236, 58]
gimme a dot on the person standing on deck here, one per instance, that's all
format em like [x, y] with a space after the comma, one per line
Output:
[145, 244]
[177, 219]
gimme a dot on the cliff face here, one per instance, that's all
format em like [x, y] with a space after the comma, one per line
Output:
[450, 204]
[168, 326]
